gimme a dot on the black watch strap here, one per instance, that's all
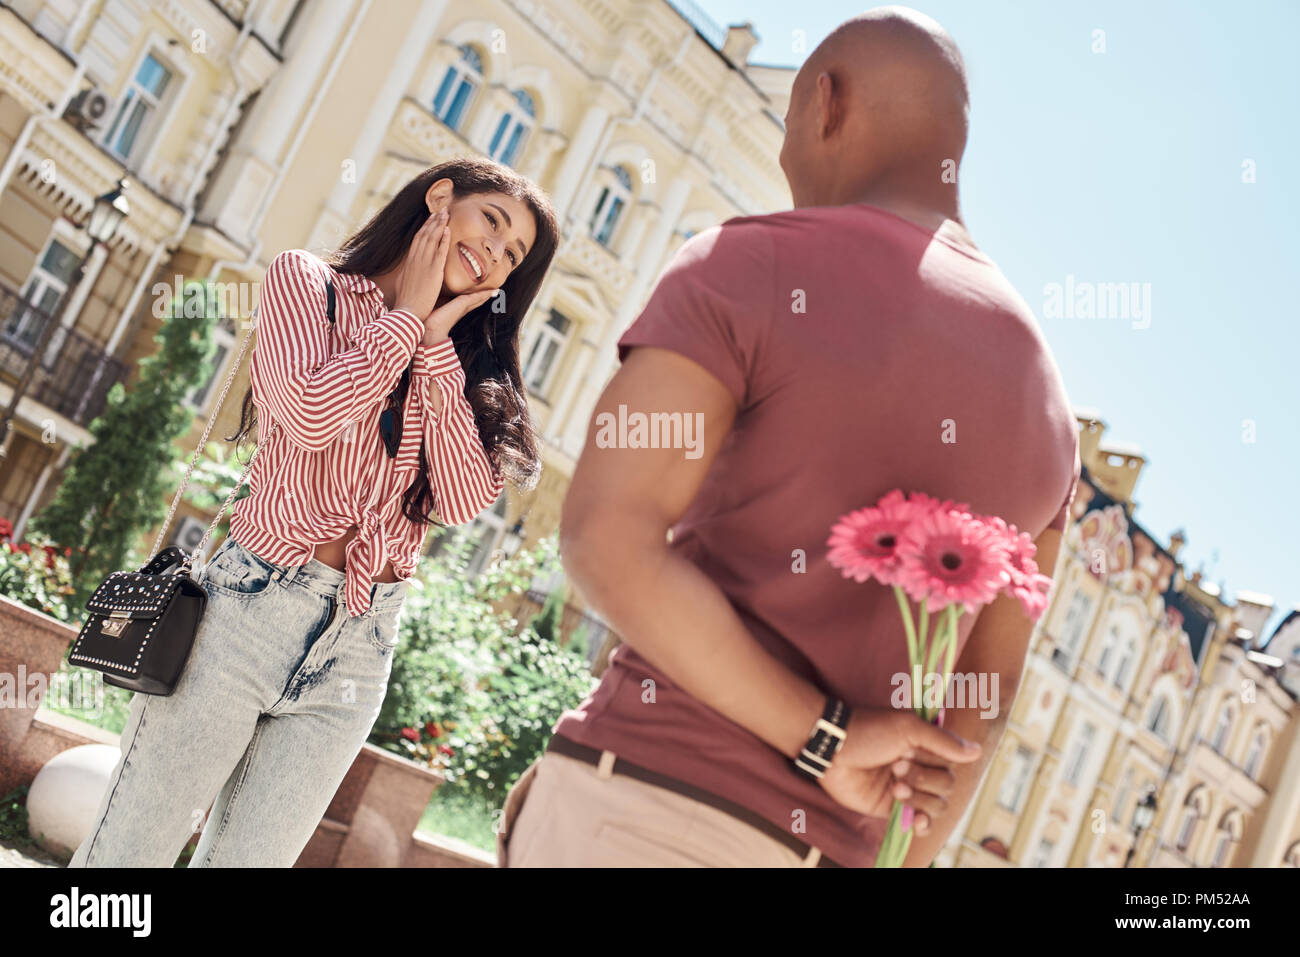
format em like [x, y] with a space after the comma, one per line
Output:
[827, 737]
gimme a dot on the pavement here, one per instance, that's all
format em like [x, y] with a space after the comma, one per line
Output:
[27, 856]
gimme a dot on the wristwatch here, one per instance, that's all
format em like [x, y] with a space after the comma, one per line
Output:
[824, 740]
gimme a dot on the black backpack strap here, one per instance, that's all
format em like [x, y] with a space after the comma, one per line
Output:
[329, 299]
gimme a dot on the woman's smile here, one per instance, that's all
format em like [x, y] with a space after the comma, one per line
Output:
[473, 265]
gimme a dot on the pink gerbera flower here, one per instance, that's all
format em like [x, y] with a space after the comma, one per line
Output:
[952, 557]
[1026, 584]
[862, 543]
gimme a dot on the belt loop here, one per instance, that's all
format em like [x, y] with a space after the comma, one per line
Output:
[287, 574]
[605, 769]
[814, 856]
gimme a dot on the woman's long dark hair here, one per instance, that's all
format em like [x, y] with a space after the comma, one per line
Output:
[486, 342]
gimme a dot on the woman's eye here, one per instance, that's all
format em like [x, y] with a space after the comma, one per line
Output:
[491, 219]
[512, 258]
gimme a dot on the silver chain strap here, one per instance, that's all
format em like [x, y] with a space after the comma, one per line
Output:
[189, 557]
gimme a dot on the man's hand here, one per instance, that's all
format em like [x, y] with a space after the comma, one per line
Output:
[890, 754]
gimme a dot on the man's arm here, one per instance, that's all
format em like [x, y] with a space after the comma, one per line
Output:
[998, 645]
[613, 544]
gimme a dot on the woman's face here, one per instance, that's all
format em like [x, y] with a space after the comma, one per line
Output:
[491, 233]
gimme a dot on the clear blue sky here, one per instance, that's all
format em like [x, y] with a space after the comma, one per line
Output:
[1126, 166]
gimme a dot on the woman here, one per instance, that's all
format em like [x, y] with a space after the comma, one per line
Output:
[407, 407]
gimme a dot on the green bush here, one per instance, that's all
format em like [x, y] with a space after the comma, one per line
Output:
[471, 693]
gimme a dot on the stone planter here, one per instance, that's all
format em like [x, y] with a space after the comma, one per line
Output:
[371, 821]
[31, 643]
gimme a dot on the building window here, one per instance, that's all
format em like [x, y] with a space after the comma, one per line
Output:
[45, 288]
[614, 198]
[1219, 739]
[1079, 754]
[458, 85]
[1108, 650]
[223, 335]
[1187, 829]
[513, 129]
[1125, 664]
[1076, 621]
[1158, 720]
[1222, 849]
[1044, 853]
[140, 102]
[1255, 756]
[548, 344]
[1121, 796]
[485, 531]
[1017, 776]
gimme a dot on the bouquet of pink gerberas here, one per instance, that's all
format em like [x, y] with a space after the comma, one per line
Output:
[947, 559]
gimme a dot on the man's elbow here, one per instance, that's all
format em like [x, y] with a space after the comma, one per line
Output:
[598, 544]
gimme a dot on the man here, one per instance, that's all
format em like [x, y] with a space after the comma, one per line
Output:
[856, 344]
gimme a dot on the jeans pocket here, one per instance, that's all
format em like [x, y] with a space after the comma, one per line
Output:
[238, 573]
[384, 628]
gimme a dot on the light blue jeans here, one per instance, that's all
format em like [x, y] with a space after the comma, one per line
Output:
[280, 691]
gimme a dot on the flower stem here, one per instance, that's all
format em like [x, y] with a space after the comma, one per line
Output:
[905, 610]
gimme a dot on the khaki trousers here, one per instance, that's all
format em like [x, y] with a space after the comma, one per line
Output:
[566, 813]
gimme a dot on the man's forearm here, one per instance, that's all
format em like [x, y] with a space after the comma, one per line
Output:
[676, 618]
[987, 732]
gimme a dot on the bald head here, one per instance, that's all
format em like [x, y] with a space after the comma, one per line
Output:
[882, 98]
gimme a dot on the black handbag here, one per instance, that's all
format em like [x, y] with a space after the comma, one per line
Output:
[142, 624]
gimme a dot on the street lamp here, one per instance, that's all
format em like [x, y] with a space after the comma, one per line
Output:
[105, 218]
[1143, 815]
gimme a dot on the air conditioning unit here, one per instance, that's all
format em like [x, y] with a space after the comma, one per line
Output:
[188, 534]
[88, 108]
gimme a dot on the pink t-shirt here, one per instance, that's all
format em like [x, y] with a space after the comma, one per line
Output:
[865, 353]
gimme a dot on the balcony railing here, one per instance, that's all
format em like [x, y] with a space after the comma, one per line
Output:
[73, 374]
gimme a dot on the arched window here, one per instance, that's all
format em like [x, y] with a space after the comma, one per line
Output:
[614, 198]
[1219, 739]
[513, 129]
[460, 82]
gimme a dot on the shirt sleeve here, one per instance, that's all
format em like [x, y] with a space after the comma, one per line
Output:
[462, 476]
[713, 304]
[311, 394]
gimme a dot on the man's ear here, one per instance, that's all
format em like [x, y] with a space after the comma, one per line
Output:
[438, 195]
[827, 103]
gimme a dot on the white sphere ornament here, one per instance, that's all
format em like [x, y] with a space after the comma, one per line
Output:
[65, 794]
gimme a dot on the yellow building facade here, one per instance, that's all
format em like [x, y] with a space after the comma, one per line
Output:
[1141, 680]
[247, 127]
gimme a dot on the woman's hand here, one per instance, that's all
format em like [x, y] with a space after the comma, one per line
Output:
[438, 326]
[419, 281]
[890, 754]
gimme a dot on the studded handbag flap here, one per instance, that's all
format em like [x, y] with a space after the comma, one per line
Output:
[133, 593]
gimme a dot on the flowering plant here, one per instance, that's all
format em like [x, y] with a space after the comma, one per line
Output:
[35, 574]
[948, 560]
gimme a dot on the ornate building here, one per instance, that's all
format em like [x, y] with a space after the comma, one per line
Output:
[1140, 681]
[253, 126]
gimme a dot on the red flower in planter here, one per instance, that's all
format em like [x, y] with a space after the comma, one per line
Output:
[68, 551]
[446, 749]
[6, 527]
[432, 730]
[411, 734]
[25, 548]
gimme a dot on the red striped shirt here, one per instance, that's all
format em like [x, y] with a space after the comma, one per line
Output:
[325, 468]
